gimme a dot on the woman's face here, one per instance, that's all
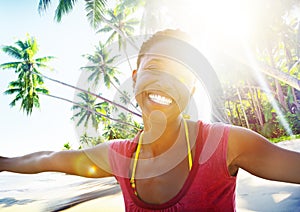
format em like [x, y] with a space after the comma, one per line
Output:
[162, 84]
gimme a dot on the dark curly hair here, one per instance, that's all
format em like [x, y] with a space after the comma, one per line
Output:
[158, 37]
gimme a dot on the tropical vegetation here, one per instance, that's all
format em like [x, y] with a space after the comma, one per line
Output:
[29, 84]
[265, 95]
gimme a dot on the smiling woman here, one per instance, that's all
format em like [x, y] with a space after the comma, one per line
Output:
[173, 164]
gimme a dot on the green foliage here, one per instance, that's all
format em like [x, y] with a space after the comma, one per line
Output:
[67, 146]
[29, 83]
[88, 141]
[293, 121]
[276, 47]
[89, 110]
[119, 23]
[118, 130]
[102, 66]
[94, 9]
[273, 130]
[284, 138]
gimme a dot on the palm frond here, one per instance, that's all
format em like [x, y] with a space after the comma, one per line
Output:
[95, 11]
[133, 21]
[13, 51]
[39, 79]
[13, 102]
[110, 39]
[83, 96]
[107, 80]
[10, 65]
[87, 118]
[64, 7]
[44, 59]
[81, 120]
[44, 66]
[116, 80]
[33, 45]
[42, 90]
[77, 114]
[36, 102]
[16, 83]
[89, 68]
[95, 77]
[23, 45]
[104, 29]
[43, 5]
[12, 91]
[112, 59]
[132, 4]
[27, 105]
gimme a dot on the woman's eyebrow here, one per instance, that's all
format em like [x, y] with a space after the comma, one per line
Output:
[154, 64]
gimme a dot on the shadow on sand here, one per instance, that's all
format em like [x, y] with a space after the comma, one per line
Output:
[273, 196]
[63, 204]
[10, 201]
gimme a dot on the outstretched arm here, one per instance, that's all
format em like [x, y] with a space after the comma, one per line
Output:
[255, 154]
[91, 162]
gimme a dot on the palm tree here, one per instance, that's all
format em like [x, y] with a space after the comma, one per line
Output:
[90, 110]
[87, 140]
[102, 67]
[96, 12]
[119, 18]
[29, 84]
[66, 6]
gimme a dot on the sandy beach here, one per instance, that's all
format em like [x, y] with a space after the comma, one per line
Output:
[59, 192]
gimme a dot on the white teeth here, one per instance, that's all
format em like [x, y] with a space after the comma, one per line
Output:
[160, 99]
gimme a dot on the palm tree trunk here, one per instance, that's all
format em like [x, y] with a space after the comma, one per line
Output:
[118, 90]
[298, 40]
[231, 112]
[88, 92]
[280, 96]
[256, 105]
[238, 114]
[268, 70]
[282, 76]
[88, 109]
[243, 109]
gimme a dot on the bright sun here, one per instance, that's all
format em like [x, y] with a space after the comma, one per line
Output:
[232, 18]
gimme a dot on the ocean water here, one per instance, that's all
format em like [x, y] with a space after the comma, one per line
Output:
[50, 191]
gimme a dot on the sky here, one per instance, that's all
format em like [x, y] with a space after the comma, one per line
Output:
[49, 127]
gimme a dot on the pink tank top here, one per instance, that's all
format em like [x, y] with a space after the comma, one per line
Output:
[209, 186]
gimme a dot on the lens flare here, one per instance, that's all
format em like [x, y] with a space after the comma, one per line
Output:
[92, 170]
[265, 87]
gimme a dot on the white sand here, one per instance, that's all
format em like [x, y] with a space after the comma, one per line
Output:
[107, 204]
[256, 194]
[253, 194]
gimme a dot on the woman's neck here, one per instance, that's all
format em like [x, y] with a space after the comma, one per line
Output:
[159, 136]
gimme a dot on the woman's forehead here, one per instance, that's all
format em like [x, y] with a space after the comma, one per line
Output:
[157, 62]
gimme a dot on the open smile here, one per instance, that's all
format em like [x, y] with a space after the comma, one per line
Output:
[160, 99]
